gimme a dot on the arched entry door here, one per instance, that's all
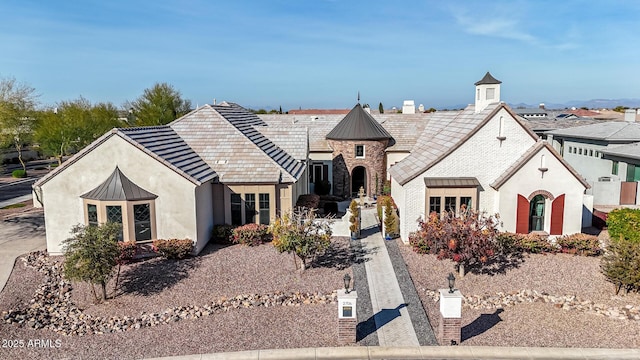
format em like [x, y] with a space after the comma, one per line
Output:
[536, 213]
[358, 179]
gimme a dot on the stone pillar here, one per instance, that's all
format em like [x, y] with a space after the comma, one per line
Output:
[449, 330]
[347, 319]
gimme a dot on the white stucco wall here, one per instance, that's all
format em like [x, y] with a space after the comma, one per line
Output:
[204, 214]
[63, 207]
[591, 167]
[482, 156]
[557, 180]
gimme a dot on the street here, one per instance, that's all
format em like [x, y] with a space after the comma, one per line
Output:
[16, 188]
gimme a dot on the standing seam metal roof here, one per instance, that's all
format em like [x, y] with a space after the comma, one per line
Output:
[358, 125]
[488, 79]
[118, 187]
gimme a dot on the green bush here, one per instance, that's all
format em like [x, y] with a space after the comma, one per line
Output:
[19, 173]
[381, 201]
[579, 244]
[621, 265]
[221, 234]
[309, 201]
[624, 224]
[250, 234]
[128, 251]
[386, 187]
[173, 248]
[530, 243]
[322, 187]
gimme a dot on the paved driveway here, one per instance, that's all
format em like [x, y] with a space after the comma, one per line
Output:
[19, 234]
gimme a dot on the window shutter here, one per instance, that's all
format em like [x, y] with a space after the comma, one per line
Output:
[522, 215]
[557, 215]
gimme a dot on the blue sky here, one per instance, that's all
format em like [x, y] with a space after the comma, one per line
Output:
[320, 53]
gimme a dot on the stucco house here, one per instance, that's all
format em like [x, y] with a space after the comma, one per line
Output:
[215, 165]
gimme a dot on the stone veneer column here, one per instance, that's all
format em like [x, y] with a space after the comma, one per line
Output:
[450, 328]
[344, 161]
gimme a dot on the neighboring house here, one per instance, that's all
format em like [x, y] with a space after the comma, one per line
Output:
[531, 113]
[485, 158]
[595, 152]
[218, 164]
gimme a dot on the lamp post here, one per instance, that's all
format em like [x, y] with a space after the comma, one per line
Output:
[347, 319]
[347, 282]
[450, 328]
[452, 282]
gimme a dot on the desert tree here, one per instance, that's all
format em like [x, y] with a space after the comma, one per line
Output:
[158, 105]
[17, 104]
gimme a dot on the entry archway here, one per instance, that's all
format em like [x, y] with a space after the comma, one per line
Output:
[358, 179]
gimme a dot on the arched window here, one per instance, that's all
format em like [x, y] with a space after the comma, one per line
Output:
[536, 213]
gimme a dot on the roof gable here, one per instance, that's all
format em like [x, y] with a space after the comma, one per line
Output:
[358, 125]
[118, 187]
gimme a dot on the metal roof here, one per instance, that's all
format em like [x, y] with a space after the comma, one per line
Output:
[488, 79]
[451, 182]
[118, 187]
[358, 125]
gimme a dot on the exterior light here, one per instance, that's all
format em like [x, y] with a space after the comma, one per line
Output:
[452, 282]
[347, 282]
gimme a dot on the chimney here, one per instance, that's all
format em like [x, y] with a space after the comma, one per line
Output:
[408, 107]
[630, 115]
[541, 106]
[214, 101]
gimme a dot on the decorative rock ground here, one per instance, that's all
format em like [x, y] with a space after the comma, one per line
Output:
[52, 308]
[566, 302]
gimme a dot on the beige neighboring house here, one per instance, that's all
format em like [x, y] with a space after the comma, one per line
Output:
[218, 164]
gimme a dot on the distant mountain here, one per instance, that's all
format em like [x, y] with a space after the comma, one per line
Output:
[590, 104]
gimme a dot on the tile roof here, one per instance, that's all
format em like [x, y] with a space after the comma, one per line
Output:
[319, 111]
[291, 140]
[612, 131]
[530, 153]
[451, 182]
[118, 187]
[358, 125]
[487, 80]
[159, 142]
[446, 131]
[631, 151]
[230, 139]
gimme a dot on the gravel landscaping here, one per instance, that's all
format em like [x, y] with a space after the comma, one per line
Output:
[218, 274]
[533, 323]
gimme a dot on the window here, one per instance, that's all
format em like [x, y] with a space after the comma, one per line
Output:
[633, 172]
[597, 154]
[318, 172]
[580, 151]
[236, 209]
[92, 214]
[142, 221]
[590, 152]
[434, 204]
[265, 215]
[450, 203]
[491, 93]
[465, 203]
[614, 168]
[249, 208]
[570, 149]
[114, 215]
[359, 151]
[478, 96]
[536, 213]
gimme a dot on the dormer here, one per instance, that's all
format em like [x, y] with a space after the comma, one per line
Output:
[487, 92]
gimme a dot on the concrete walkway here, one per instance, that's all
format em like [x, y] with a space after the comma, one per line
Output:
[393, 324]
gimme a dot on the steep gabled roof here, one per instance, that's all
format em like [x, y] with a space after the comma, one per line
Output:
[228, 137]
[358, 125]
[159, 142]
[488, 79]
[612, 131]
[118, 187]
[530, 153]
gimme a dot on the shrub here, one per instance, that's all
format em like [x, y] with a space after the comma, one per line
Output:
[625, 224]
[250, 234]
[19, 173]
[309, 201]
[330, 208]
[536, 244]
[621, 265]
[354, 218]
[386, 188]
[508, 242]
[322, 187]
[221, 234]
[128, 251]
[173, 248]
[579, 244]
[390, 221]
[380, 202]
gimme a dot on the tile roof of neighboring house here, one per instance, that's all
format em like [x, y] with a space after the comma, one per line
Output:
[534, 111]
[319, 111]
[631, 151]
[358, 125]
[445, 133]
[159, 142]
[584, 113]
[118, 187]
[488, 79]
[611, 131]
[550, 124]
[531, 152]
[447, 182]
[229, 139]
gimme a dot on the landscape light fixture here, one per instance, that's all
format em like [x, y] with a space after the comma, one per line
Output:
[347, 282]
[452, 282]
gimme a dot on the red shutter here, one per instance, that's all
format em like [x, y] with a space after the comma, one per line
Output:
[557, 215]
[522, 215]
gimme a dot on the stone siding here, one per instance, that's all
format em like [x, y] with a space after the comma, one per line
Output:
[344, 161]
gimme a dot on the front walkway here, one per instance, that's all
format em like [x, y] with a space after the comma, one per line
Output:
[19, 235]
[393, 324]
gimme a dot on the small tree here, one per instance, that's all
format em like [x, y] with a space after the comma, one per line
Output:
[468, 239]
[390, 224]
[621, 264]
[301, 233]
[381, 108]
[354, 218]
[91, 254]
[17, 103]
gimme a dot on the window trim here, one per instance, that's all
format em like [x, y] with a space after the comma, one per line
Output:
[364, 154]
[128, 216]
